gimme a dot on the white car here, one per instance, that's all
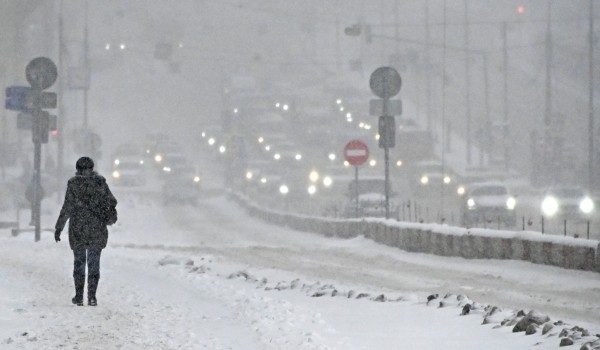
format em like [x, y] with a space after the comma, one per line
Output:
[488, 202]
[567, 202]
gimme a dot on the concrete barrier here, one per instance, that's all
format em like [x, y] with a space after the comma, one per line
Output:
[443, 240]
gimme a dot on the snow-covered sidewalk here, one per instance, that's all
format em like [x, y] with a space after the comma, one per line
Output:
[213, 278]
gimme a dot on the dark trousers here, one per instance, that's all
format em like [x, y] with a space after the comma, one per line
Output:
[93, 266]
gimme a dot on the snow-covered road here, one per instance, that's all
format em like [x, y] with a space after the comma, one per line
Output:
[211, 277]
[567, 294]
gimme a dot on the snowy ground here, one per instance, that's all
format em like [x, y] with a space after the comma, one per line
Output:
[213, 278]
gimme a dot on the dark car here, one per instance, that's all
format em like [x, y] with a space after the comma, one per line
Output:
[181, 188]
[128, 166]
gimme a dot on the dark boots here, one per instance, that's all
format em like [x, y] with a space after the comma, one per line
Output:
[79, 284]
[92, 286]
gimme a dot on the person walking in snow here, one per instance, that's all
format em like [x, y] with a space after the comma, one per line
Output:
[86, 200]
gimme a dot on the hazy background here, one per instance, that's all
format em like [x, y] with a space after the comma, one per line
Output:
[296, 46]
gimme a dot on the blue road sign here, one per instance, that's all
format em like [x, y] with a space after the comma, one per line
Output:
[16, 98]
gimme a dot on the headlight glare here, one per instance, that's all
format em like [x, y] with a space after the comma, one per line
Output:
[511, 203]
[586, 205]
[471, 203]
[549, 206]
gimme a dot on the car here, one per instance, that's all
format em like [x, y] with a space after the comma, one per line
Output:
[181, 188]
[163, 151]
[371, 198]
[567, 202]
[429, 177]
[153, 143]
[488, 202]
[128, 166]
[175, 163]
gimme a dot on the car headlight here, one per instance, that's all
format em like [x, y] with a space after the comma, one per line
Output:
[471, 203]
[196, 178]
[460, 190]
[312, 189]
[549, 206]
[510, 203]
[158, 158]
[327, 181]
[447, 179]
[116, 174]
[283, 189]
[117, 162]
[424, 180]
[586, 205]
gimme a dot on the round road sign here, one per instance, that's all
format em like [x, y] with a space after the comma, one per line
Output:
[41, 73]
[385, 82]
[356, 152]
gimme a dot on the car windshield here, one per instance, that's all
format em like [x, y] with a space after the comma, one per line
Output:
[490, 191]
[367, 186]
[129, 165]
[430, 167]
[568, 192]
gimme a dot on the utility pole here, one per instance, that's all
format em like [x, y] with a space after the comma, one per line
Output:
[548, 105]
[396, 29]
[467, 84]
[338, 64]
[486, 88]
[86, 62]
[505, 93]
[443, 137]
[591, 184]
[429, 65]
[60, 146]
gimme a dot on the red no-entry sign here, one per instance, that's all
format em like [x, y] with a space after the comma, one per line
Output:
[356, 152]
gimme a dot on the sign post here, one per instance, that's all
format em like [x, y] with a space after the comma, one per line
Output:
[41, 73]
[356, 153]
[385, 82]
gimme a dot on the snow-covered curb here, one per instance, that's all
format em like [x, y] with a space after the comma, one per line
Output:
[444, 240]
[519, 321]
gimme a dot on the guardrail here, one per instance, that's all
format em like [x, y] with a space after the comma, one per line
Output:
[444, 240]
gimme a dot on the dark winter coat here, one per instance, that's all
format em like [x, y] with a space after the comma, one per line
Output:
[87, 192]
